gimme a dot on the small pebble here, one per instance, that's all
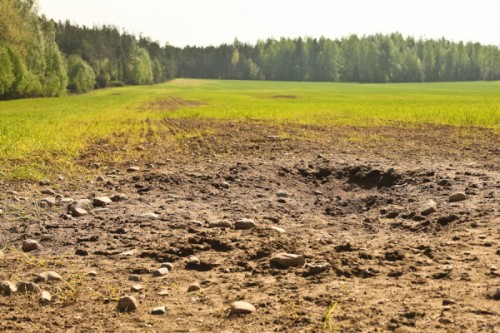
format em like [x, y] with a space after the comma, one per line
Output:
[241, 307]
[48, 276]
[220, 224]
[158, 311]
[168, 265]
[288, 260]
[161, 272]
[127, 304]
[7, 288]
[45, 297]
[134, 277]
[30, 245]
[458, 196]
[133, 169]
[244, 224]
[194, 287]
[137, 287]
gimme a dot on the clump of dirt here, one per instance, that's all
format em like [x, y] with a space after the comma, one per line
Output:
[370, 255]
[171, 103]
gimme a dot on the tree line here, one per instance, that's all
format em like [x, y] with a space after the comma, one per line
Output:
[40, 57]
[372, 59]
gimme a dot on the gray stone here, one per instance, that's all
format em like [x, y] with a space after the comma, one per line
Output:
[127, 304]
[220, 224]
[244, 224]
[241, 307]
[458, 196]
[161, 271]
[82, 203]
[428, 208]
[163, 292]
[7, 288]
[194, 287]
[45, 297]
[158, 311]
[48, 276]
[101, 201]
[30, 245]
[27, 287]
[288, 260]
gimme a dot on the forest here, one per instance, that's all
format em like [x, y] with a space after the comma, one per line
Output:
[40, 57]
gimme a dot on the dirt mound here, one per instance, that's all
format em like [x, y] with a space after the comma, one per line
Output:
[171, 103]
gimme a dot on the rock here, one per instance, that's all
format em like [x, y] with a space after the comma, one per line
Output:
[194, 287]
[194, 260]
[129, 253]
[158, 311]
[161, 271]
[82, 203]
[133, 169]
[1, 212]
[96, 165]
[168, 265]
[79, 212]
[7, 288]
[241, 307]
[278, 229]
[283, 194]
[45, 297]
[496, 295]
[444, 182]
[80, 207]
[44, 182]
[92, 273]
[101, 201]
[27, 287]
[127, 304]
[220, 224]
[163, 292]
[119, 197]
[134, 277]
[458, 196]
[67, 200]
[47, 202]
[137, 287]
[30, 245]
[317, 268]
[288, 260]
[244, 224]
[150, 215]
[428, 208]
[48, 276]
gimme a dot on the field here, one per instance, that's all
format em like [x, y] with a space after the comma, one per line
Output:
[388, 194]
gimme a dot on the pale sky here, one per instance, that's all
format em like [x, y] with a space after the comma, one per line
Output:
[205, 22]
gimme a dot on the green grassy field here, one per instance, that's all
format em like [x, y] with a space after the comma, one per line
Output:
[41, 136]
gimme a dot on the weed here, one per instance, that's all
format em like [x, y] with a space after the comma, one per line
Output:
[328, 322]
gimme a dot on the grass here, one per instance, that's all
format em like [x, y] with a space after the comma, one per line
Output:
[42, 137]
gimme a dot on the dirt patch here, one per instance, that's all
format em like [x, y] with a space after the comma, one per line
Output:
[285, 96]
[353, 209]
[170, 103]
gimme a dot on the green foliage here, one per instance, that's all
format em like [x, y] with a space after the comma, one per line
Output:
[81, 75]
[7, 76]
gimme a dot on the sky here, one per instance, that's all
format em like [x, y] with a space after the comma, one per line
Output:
[213, 22]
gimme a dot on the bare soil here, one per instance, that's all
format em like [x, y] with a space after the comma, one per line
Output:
[349, 197]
